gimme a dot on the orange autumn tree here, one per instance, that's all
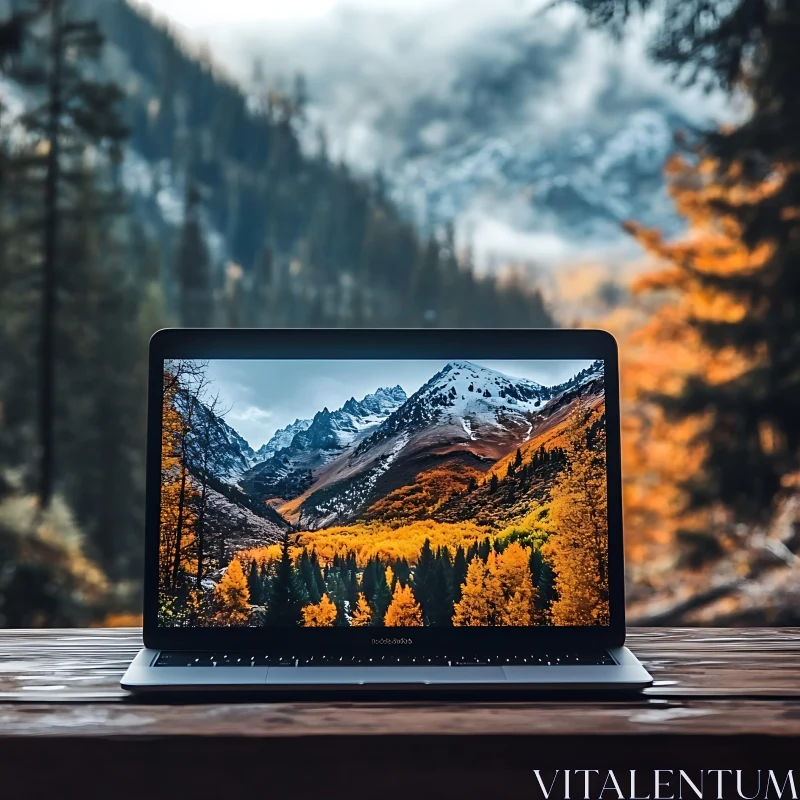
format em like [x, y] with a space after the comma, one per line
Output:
[404, 610]
[473, 608]
[512, 570]
[676, 376]
[320, 615]
[497, 592]
[578, 550]
[362, 616]
[177, 517]
[232, 596]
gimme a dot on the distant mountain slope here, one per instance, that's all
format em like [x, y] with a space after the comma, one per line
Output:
[233, 526]
[292, 469]
[216, 446]
[454, 491]
[280, 439]
[458, 425]
[515, 119]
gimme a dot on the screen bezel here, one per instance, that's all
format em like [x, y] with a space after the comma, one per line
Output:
[388, 344]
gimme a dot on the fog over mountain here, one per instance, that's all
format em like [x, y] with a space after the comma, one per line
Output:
[534, 134]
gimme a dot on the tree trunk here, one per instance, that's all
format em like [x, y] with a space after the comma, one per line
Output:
[51, 221]
[201, 516]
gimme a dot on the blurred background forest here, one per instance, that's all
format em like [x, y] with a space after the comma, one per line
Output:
[626, 164]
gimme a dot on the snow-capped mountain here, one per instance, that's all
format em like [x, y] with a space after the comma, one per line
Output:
[282, 438]
[465, 413]
[291, 469]
[579, 187]
[215, 448]
[514, 120]
[591, 373]
[468, 398]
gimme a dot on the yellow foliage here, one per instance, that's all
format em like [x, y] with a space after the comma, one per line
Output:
[498, 592]
[264, 556]
[428, 491]
[578, 550]
[473, 609]
[362, 615]
[177, 518]
[233, 596]
[513, 574]
[375, 539]
[550, 435]
[320, 615]
[661, 351]
[535, 524]
[404, 611]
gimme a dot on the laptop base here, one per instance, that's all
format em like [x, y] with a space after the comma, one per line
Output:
[626, 673]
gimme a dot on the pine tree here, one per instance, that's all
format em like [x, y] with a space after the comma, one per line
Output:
[424, 575]
[286, 597]
[402, 570]
[308, 577]
[484, 548]
[494, 482]
[194, 267]
[337, 590]
[404, 611]
[317, 574]
[369, 580]
[381, 596]
[440, 604]
[459, 573]
[254, 584]
[88, 110]
[232, 596]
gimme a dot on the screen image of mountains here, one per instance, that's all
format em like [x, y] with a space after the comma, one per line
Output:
[383, 493]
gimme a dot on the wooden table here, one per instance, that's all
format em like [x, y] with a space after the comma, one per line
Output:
[721, 699]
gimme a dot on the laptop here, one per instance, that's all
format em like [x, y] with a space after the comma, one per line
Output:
[375, 509]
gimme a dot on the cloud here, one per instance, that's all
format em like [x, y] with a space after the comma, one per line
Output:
[429, 90]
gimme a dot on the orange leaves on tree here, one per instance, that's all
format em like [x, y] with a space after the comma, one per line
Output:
[498, 592]
[578, 549]
[362, 616]
[232, 596]
[320, 615]
[429, 490]
[404, 611]
[387, 543]
[177, 517]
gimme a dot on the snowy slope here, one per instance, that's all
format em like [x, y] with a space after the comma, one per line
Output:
[465, 411]
[215, 447]
[291, 469]
[282, 438]
[467, 397]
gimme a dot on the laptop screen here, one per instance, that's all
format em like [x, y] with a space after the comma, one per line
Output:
[391, 493]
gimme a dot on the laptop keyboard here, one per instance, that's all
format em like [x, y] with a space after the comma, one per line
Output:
[173, 658]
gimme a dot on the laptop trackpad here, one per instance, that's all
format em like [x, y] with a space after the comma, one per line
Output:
[356, 676]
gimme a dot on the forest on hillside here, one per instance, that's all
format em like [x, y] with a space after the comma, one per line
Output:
[140, 186]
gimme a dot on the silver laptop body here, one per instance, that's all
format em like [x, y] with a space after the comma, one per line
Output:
[443, 508]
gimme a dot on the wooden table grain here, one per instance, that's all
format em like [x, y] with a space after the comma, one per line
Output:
[730, 694]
